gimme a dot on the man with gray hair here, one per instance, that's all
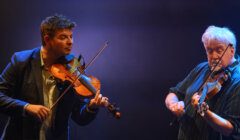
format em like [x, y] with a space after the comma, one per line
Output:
[207, 101]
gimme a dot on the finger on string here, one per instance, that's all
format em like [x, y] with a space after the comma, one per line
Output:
[104, 101]
[99, 99]
[97, 94]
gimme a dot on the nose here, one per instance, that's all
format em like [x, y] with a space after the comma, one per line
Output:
[215, 55]
[70, 41]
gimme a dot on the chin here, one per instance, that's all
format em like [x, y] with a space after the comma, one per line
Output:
[67, 53]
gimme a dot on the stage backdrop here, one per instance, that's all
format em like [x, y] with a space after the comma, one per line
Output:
[153, 44]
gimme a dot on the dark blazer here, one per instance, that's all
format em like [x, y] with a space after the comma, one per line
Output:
[21, 83]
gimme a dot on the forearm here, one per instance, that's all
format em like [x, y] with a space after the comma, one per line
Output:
[218, 123]
[11, 106]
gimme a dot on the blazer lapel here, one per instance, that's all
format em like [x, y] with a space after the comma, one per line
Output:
[37, 72]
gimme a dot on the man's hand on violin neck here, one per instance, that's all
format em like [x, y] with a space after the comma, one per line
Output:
[98, 101]
[195, 100]
[38, 111]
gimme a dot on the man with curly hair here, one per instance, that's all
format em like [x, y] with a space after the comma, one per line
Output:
[28, 89]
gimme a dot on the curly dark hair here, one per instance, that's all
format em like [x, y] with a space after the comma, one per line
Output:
[51, 24]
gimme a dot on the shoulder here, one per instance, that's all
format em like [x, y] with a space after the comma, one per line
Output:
[235, 77]
[23, 56]
[18, 62]
[200, 67]
[21, 59]
[235, 74]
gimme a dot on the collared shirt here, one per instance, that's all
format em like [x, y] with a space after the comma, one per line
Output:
[50, 94]
[225, 104]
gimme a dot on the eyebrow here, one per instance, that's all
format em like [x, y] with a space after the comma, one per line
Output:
[64, 35]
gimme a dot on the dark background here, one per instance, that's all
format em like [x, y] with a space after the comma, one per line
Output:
[153, 45]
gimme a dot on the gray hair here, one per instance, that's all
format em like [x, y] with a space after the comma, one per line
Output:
[221, 34]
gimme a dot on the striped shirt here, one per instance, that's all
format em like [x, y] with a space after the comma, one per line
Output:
[225, 104]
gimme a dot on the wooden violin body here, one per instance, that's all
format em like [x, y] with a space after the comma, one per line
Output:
[59, 71]
[86, 86]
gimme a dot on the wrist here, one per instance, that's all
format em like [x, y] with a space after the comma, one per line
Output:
[91, 109]
[25, 109]
[203, 109]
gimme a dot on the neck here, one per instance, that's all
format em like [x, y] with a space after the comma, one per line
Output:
[48, 56]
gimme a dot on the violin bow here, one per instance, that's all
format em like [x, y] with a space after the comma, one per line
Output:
[81, 72]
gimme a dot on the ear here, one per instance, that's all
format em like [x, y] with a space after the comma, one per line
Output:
[46, 39]
[232, 51]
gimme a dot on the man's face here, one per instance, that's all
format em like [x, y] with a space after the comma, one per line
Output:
[61, 43]
[214, 51]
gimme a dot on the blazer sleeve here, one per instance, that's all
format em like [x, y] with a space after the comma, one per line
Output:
[9, 80]
[81, 114]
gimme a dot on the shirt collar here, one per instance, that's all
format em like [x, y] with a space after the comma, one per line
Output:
[41, 57]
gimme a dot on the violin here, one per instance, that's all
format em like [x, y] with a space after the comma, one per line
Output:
[83, 85]
[212, 84]
[215, 83]
[211, 88]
